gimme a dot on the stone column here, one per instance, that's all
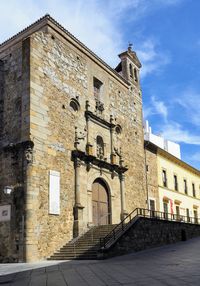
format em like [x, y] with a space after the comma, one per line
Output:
[123, 212]
[31, 204]
[77, 164]
[89, 149]
[112, 154]
[78, 208]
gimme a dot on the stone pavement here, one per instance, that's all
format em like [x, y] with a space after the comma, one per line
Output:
[177, 264]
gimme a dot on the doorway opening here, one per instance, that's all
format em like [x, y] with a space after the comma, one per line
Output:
[101, 211]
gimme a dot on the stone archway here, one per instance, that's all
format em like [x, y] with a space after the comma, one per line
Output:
[100, 203]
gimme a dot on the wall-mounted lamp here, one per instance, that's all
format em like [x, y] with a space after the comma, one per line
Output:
[8, 190]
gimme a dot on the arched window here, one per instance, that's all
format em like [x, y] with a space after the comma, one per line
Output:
[131, 70]
[135, 75]
[100, 147]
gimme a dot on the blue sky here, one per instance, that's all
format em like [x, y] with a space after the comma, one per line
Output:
[166, 37]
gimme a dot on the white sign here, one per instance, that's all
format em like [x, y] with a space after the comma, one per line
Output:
[54, 192]
[5, 213]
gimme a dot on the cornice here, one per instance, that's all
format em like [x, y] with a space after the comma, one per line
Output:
[89, 159]
[159, 151]
[99, 120]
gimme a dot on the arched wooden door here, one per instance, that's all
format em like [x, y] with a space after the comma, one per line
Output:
[100, 203]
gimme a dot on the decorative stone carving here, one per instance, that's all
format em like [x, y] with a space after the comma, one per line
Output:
[77, 163]
[99, 106]
[87, 105]
[113, 158]
[28, 154]
[78, 136]
[100, 147]
[89, 149]
[118, 129]
[88, 166]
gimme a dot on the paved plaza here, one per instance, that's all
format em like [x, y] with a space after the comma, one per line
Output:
[177, 264]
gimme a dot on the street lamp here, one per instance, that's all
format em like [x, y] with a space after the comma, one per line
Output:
[8, 190]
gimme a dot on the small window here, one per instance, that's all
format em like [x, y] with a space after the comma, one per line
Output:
[135, 75]
[165, 210]
[185, 186]
[152, 208]
[177, 212]
[131, 70]
[100, 147]
[188, 215]
[74, 104]
[195, 216]
[152, 205]
[164, 177]
[97, 84]
[193, 190]
[175, 183]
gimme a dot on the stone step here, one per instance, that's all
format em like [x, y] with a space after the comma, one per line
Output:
[74, 258]
[77, 250]
[86, 247]
[80, 247]
[76, 253]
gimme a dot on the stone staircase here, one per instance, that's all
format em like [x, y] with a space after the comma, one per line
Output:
[84, 247]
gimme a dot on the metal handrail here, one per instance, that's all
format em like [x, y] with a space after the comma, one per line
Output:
[118, 229]
[141, 212]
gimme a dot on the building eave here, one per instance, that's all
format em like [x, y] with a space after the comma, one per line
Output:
[47, 20]
[150, 146]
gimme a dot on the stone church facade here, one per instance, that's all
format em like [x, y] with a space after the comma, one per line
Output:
[71, 144]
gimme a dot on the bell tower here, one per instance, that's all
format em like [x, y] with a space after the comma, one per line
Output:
[129, 66]
[129, 69]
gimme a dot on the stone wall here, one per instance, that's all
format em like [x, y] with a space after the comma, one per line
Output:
[152, 175]
[60, 72]
[5, 235]
[14, 115]
[40, 77]
[148, 233]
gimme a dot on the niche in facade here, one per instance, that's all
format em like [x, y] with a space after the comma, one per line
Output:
[100, 147]
[118, 129]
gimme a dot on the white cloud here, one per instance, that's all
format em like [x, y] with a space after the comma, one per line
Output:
[160, 107]
[147, 111]
[151, 57]
[195, 157]
[174, 131]
[190, 101]
[157, 107]
[98, 24]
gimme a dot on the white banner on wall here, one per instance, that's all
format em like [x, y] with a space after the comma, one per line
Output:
[5, 212]
[54, 192]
